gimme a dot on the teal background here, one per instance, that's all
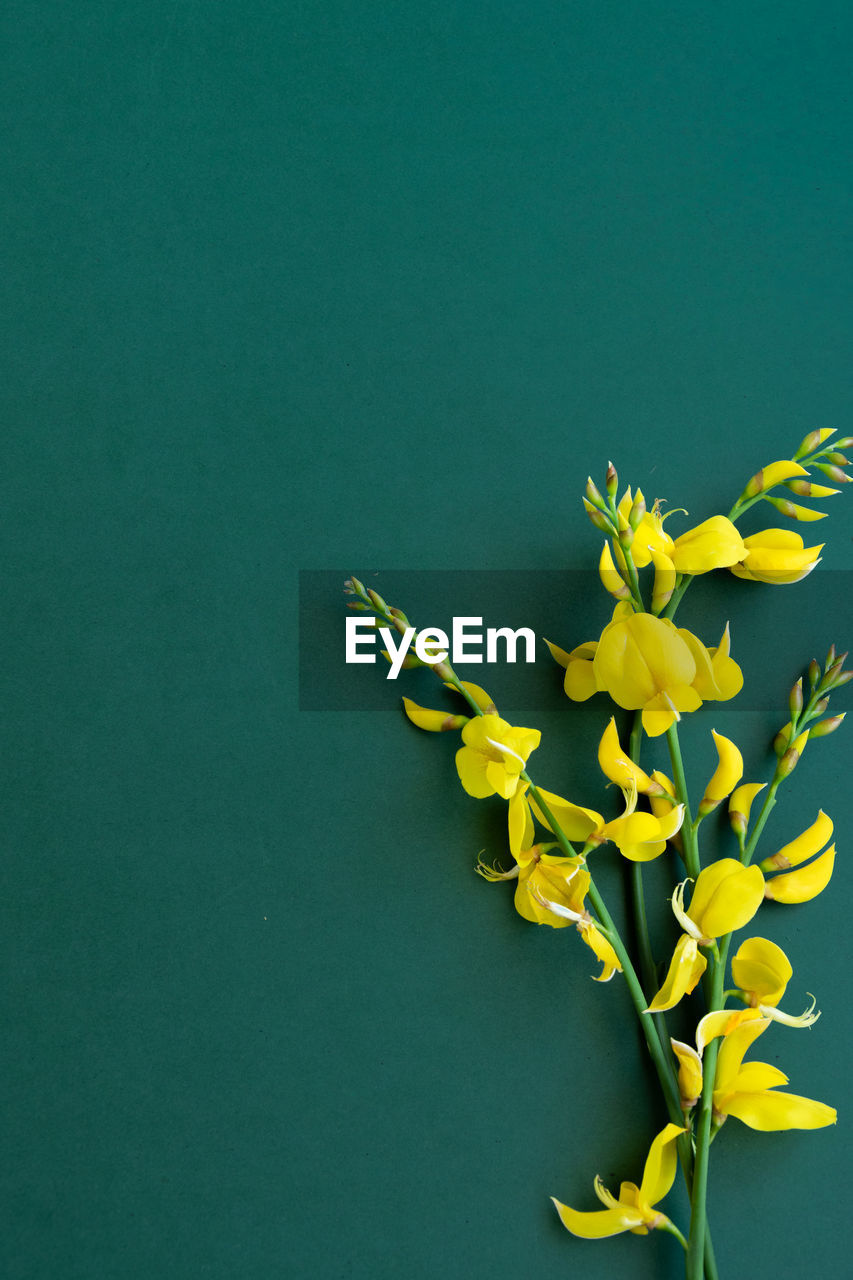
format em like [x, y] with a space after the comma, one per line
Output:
[373, 287]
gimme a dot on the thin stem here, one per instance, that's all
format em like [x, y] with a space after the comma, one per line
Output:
[677, 596]
[688, 831]
[764, 814]
[698, 1224]
[635, 990]
[672, 1230]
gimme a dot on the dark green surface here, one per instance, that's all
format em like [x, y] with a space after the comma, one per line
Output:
[313, 285]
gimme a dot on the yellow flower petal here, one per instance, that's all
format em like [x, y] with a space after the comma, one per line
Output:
[471, 767]
[611, 578]
[742, 1033]
[740, 804]
[728, 772]
[598, 1224]
[521, 829]
[685, 969]
[617, 765]
[559, 655]
[726, 897]
[722, 1022]
[432, 721]
[803, 884]
[714, 544]
[576, 822]
[661, 1162]
[689, 1073]
[777, 556]
[641, 836]
[580, 680]
[771, 1111]
[483, 700]
[805, 846]
[775, 472]
[761, 971]
[664, 583]
[601, 948]
[755, 1077]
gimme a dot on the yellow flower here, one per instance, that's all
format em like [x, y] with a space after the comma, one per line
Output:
[718, 677]
[575, 912]
[537, 870]
[740, 805]
[726, 897]
[432, 721]
[806, 882]
[648, 663]
[634, 1210]
[650, 535]
[685, 969]
[762, 971]
[642, 662]
[713, 544]
[748, 1091]
[727, 774]
[618, 766]
[689, 1073]
[776, 556]
[493, 756]
[640, 837]
[576, 822]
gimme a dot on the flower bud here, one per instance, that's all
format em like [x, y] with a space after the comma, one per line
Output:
[740, 805]
[598, 518]
[795, 699]
[432, 721]
[790, 759]
[664, 583]
[358, 605]
[727, 774]
[830, 657]
[782, 740]
[638, 510]
[377, 601]
[793, 511]
[610, 575]
[838, 459]
[410, 661]
[813, 440]
[774, 473]
[833, 672]
[833, 473]
[814, 673]
[826, 726]
[593, 494]
[611, 480]
[805, 489]
[845, 443]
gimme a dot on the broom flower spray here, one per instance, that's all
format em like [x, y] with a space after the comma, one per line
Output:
[644, 663]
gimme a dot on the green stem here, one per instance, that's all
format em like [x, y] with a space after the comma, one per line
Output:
[672, 1230]
[764, 814]
[635, 990]
[638, 898]
[677, 596]
[688, 831]
[698, 1196]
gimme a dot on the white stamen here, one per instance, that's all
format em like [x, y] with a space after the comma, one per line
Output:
[501, 746]
[557, 908]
